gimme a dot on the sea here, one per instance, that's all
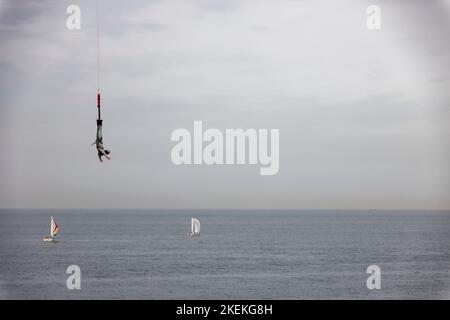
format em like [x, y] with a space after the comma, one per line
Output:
[240, 254]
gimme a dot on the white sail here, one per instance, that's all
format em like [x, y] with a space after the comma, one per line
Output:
[195, 226]
[53, 228]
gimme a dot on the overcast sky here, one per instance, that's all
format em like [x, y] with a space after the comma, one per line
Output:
[363, 115]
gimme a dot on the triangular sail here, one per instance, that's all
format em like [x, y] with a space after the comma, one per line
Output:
[53, 228]
[195, 226]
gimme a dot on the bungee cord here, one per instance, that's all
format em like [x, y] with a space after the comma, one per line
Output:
[102, 152]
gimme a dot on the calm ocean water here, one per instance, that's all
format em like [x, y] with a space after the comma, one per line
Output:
[270, 254]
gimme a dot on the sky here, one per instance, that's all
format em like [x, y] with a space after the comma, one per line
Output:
[363, 114]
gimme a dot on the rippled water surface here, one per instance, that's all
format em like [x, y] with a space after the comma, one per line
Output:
[270, 254]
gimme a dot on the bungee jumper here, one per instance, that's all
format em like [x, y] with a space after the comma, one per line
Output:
[101, 151]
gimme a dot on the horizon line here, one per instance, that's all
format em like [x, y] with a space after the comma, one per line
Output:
[235, 209]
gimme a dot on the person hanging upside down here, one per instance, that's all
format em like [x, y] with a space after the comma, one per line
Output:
[101, 151]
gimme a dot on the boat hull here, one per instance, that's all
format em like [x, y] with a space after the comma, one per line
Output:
[49, 239]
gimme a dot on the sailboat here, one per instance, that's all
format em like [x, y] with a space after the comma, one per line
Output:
[53, 231]
[195, 227]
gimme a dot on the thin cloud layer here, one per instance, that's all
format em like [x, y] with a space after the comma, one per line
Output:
[363, 115]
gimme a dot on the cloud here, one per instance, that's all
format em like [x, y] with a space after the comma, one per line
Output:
[362, 115]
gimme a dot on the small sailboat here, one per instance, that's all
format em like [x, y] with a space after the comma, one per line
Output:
[53, 231]
[195, 227]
